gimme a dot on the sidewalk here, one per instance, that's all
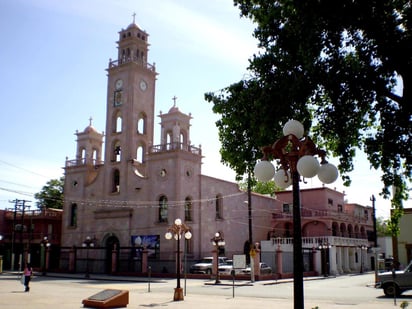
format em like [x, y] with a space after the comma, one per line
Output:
[68, 290]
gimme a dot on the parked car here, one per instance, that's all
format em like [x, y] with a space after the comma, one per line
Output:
[226, 269]
[264, 269]
[395, 282]
[205, 266]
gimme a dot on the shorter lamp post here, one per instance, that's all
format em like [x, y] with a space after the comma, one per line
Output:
[175, 231]
[324, 252]
[45, 245]
[362, 249]
[295, 153]
[217, 241]
[87, 243]
[138, 250]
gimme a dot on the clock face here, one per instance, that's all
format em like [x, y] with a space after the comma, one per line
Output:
[143, 85]
[119, 84]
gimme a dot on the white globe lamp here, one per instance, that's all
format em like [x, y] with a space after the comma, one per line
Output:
[327, 173]
[308, 166]
[264, 171]
[283, 179]
[293, 127]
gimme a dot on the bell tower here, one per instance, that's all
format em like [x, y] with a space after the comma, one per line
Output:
[130, 106]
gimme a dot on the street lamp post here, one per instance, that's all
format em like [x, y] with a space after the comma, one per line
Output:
[362, 249]
[45, 244]
[175, 231]
[87, 243]
[295, 153]
[217, 242]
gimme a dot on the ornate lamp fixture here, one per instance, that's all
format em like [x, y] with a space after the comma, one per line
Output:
[88, 243]
[175, 231]
[296, 155]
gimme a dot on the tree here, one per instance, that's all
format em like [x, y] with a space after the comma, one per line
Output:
[382, 228]
[51, 195]
[268, 188]
[343, 68]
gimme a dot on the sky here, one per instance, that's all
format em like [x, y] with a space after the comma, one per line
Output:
[53, 60]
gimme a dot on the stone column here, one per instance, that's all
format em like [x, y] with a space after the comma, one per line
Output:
[279, 261]
[144, 260]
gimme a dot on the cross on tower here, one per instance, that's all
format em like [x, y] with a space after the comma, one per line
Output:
[174, 101]
[134, 16]
[90, 121]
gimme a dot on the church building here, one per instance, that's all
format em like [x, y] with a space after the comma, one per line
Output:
[123, 187]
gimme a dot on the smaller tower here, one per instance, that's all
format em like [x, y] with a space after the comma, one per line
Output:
[175, 129]
[89, 146]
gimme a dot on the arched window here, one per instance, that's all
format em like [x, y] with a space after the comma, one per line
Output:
[116, 181]
[95, 155]
[141, 124]
[117, 152]
[140, 154]
[73, 215]
[163, 209]
[83, 155]
[118, 127]
[219, 207]
[188, 209]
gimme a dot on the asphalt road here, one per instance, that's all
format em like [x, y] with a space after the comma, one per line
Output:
[355, 291]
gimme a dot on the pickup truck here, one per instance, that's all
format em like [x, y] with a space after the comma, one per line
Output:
[395, 282]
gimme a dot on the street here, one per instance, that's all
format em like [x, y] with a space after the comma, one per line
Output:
[355, 291]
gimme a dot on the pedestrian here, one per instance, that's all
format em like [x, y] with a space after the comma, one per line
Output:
[28, 273]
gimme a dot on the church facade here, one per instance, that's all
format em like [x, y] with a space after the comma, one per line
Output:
[141, 187]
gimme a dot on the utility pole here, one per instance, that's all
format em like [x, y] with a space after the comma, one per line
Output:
[19, 206]
[375, 234]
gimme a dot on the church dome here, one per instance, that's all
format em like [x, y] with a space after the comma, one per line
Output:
[90, 129]
[132, 25]
[173, 109]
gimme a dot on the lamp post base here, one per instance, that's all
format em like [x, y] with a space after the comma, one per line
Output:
[178, 296]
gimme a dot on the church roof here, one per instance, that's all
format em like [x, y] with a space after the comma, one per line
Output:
[174, 109]
[90, 129]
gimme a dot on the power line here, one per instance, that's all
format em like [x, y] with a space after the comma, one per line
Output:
[24, 169]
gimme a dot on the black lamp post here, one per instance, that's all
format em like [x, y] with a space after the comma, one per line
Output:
[45, 245]
[87, 243]
[175, 231]
[295, 153]
[217, 242]
[362, 248]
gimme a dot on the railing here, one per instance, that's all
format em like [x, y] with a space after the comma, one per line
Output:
[83, 161]
[174, 147]
[315, 241]
[138, 60]
[317, 213]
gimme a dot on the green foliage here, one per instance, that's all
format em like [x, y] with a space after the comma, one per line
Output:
[382, 227]
[51, 195]
[267, 188]
[335, 67]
